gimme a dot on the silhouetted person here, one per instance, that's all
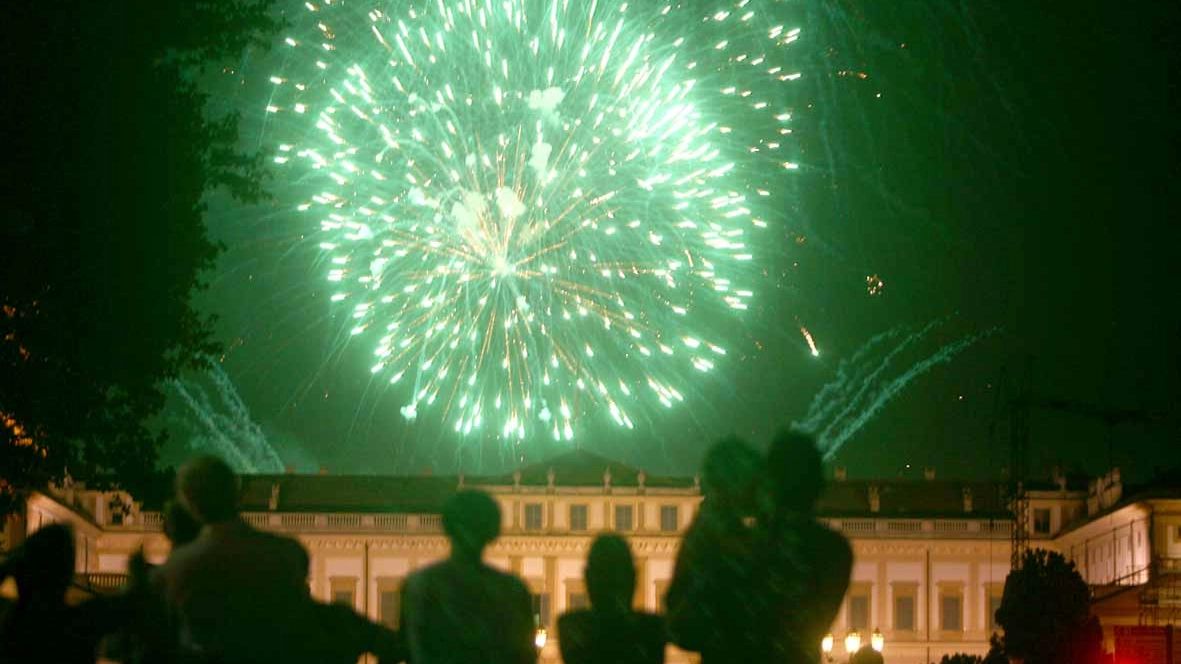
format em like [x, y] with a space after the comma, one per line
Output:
[461, 611]
[802, 568]
[39, 626]
[867, 655]
[240, 596]
[345, 635]
[236, 593]
[707, 599]
[151, 635]
[610, 631]
[180, 526]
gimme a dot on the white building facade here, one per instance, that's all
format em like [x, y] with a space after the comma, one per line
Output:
[930, 556]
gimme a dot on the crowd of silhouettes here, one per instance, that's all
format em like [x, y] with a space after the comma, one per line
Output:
[757, 579]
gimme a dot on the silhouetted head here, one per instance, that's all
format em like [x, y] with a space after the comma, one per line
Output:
[471, 520]
[43, 565]
[610, 574]
[208, 489]
[729, 471]
[180, 526]
[794, 471]
[867, 655]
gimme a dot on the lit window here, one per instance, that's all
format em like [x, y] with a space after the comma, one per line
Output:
[904, 613]
[533, 516]
[994, 604]
[1041, 521]
[661, 590]
[578, 601]
[344, 590]
[669, 518]
[576, 595]
[859, 613]
[390, 608]
[951, 613]
[578, 517]
[623, 517]
[541, 609]
[389, 601]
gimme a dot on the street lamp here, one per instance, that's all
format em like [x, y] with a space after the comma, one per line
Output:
[826, 646]
[876, 640]
[540, 637]
[852, 642]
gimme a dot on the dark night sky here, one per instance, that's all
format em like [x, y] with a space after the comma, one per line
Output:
[1013, 175]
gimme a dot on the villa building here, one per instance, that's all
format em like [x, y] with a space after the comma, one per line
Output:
[931, 555]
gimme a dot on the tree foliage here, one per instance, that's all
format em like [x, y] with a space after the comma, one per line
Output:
[961, 658]
[996, 655]
[1045, 613]
[111, 151]
[996, 651]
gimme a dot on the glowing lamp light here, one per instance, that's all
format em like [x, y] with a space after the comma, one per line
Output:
[540, 637]
[852, 642]
[876, 640]
[826, 644]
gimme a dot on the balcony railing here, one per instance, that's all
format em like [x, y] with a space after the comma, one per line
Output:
[346, 522]
[100, 582]
[922, 528]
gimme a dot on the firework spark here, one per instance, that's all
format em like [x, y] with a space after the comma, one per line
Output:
[536, 209]
[811, 342]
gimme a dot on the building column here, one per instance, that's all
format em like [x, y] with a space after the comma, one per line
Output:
[641, 594]
[973, 600]
[551, 587]
[883, 599]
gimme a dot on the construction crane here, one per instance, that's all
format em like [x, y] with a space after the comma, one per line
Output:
[1015, 411]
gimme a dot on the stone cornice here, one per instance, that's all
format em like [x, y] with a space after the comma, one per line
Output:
[351, 542]
[935, 547]
[559, 490]
[508, 545]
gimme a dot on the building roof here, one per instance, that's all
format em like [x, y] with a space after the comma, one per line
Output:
[912, 499]
[580, 468]
[586, 469]
[348, 493]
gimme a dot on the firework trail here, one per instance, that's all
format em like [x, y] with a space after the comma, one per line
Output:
[859, 392]
[869, 382]
[534, 210]
[224, 425]
[839, 391]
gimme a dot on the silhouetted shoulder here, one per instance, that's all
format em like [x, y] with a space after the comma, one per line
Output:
[590, 637]
[515, 585]
[834, 546]
[293, 552]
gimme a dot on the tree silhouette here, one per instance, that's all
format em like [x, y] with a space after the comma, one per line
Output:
[996, 651]
[110, 150]
[996, 655]
[1045, 613]
[961, 658]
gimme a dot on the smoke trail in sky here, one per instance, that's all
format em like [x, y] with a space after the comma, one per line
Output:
[861, 390]
[850, 374]
[858, 392]
[221, 423]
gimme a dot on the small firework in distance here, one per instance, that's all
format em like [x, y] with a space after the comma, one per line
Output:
[874, 284]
